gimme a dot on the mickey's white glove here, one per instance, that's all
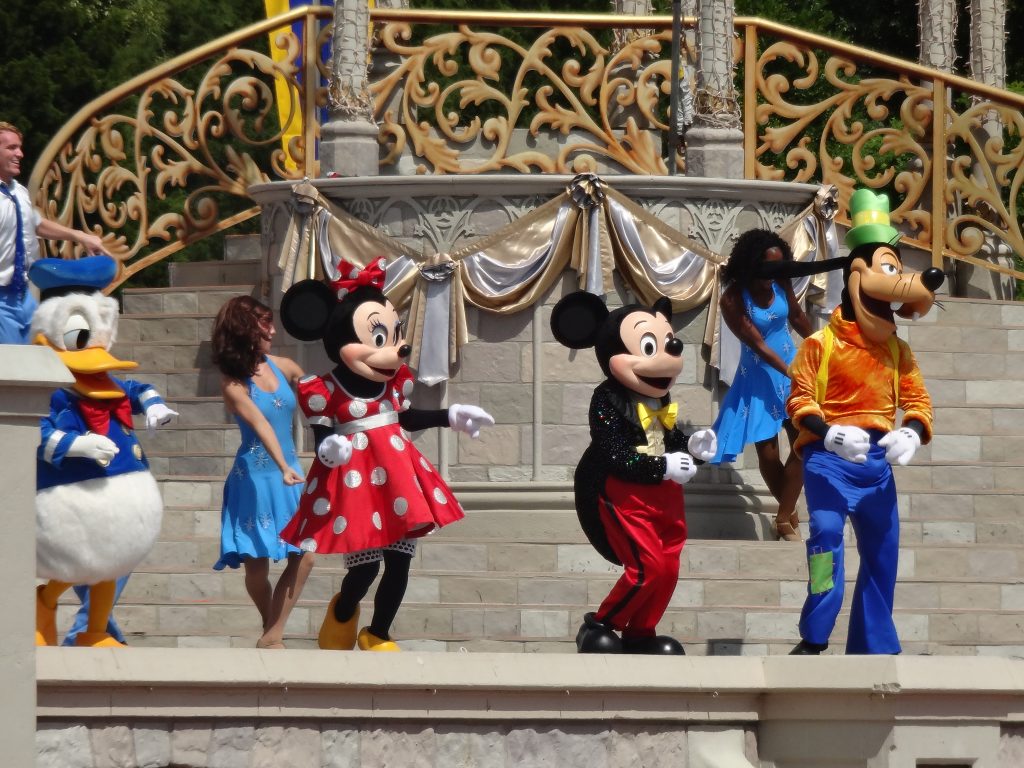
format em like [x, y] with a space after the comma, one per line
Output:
[850, 443]
[900, 445]
[334, 451]
[158, 414]
[679, 467]
[703, 444]
[99, 448]
[469, 419]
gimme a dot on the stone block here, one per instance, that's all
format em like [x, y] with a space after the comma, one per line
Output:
[761, 626]
[423, 621]
[491, 364]
[958, 628]
[956, 448]
[741, 593]
[497, 445]
[470, 746]
[773, 561]
[710, 560]
[421, 589]
[569, 366]
[969, 596]
[518, 558]
[458, 590]
[948, 532]
[195, 587]
[190, 743]
[113, 746]
[502, 623]
[537, 623]
[63, 745]
[540, 591]
[689, 593]
[300, 744]
[1003, 392]
[582, 558]
[152, 745]
[721, 625]
[917, 596]
[444, 556]
[230, 746]
[911, 627]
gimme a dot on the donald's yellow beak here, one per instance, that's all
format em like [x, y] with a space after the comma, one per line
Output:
[89, 367]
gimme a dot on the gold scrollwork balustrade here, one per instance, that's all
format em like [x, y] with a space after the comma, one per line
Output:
[821, 111]
[467, 99]
[165, 159]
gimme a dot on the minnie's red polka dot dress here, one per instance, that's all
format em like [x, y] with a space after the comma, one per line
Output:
[387, 492]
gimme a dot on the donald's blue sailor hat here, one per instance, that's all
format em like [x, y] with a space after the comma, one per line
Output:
[57, 277]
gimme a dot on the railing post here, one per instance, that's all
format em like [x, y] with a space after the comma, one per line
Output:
[310, 83]
[749, 101]
[938, 171]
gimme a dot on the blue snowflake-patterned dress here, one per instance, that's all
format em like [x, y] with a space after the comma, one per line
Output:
[755, 405]
[257, 503]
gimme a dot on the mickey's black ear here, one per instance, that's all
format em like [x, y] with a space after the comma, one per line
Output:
[664, 306]
[306, 309]
[577, 318]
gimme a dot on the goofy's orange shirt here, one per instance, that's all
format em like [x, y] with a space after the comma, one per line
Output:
[859, 391]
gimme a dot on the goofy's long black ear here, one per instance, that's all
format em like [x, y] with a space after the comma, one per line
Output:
[777, 270]
[577, 319]
[306, 309]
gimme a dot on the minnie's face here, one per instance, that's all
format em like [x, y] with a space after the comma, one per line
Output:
[653, 356]
[379, 348]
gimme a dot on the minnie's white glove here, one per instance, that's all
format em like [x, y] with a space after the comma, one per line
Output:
[703, 444]
[469, 419]
[334, 451]
[850, 443]
[99, 448]
[158, 414]
[679, 467]
[900, 445]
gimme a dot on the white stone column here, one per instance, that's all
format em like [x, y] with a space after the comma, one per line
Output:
[28, 375]
[348, 141]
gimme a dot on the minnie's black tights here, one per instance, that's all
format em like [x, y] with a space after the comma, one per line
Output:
[390, 591]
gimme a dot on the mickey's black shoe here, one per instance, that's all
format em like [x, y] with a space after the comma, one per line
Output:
[804, 648]
[597, 637]
[657, 645]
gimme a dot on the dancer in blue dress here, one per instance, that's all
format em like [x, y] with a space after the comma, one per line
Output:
[759, 311]
[262, 490]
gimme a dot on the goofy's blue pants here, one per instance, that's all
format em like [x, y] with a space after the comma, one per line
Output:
[836, 488]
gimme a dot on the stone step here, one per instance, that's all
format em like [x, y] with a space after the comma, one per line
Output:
[956, 312]
[203, 299]
[242, 247]
[183, 274]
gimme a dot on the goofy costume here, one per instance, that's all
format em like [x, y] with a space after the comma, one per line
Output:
[847, 382]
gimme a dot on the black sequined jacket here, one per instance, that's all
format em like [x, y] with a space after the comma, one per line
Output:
[615, 433]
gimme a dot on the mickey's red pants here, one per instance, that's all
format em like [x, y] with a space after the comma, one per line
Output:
[646, 528]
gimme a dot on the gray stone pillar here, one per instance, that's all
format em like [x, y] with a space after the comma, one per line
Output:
[348, 142]
[28, 375]
[714, 143]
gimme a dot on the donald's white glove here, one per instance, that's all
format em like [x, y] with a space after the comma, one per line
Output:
[334, 451]
[900, 445]
[850, 443]
[469, 419]
[679, 467]
[99, 448]
[158, 414]
[703, 444]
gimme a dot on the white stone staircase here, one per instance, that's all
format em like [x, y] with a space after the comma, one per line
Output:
[517, 574]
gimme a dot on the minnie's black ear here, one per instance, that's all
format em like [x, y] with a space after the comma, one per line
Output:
[306, 309]
[664, 306]
[577, 318]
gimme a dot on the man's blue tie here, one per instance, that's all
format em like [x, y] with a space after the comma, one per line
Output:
[18, 278]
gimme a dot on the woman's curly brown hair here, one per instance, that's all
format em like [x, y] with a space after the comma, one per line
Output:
[237, 336]
[748, 253]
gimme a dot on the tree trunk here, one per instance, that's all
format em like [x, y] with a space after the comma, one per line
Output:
[937, 34]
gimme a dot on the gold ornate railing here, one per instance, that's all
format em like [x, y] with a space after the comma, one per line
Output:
[165, 160]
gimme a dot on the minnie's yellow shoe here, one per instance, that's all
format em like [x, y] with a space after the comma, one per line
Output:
[338, 635]
[368, 641]
[46, 620]
[96, 640]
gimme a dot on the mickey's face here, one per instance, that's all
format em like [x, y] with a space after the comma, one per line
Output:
[379, 346]
[653, 355]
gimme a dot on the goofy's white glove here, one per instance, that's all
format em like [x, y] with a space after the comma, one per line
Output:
[99, 448]
[703, 444]
[850, 443]
[679, 467]
[334, 451]
[158, 414]
[900, 445]
[469, 419]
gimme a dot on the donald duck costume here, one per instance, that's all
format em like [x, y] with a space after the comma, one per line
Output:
[98, 508]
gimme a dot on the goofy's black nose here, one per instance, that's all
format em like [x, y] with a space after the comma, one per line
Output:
[932, 278]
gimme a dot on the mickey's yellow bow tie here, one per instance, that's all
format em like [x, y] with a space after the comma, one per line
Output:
[666, 415]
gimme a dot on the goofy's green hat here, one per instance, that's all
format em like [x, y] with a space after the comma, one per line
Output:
[869, 215]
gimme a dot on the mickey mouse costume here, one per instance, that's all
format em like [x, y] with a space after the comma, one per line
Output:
[370, 492]
[627, 490]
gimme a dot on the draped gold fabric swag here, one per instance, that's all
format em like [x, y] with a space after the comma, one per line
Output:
[590, 227]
